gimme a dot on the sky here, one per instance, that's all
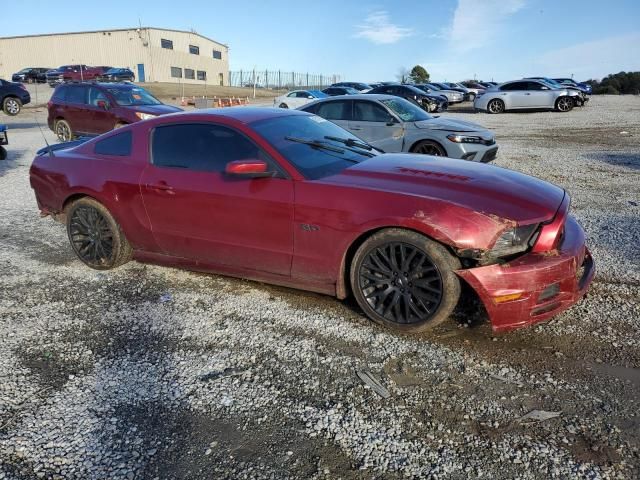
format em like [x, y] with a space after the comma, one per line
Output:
[361, 41]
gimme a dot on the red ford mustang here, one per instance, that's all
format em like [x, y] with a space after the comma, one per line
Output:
[289, 198]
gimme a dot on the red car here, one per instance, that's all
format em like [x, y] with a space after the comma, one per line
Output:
[289, 198]
[92, 108]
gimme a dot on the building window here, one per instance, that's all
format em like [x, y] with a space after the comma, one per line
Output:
[217, 54]
[190, 74]
[164, 43]
[193, 49]
[176, 72]
[202, 75]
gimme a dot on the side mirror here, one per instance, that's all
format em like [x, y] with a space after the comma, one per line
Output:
[310, 97]
[103, 104]
[249, 168]
[391, 121]
[545, 88]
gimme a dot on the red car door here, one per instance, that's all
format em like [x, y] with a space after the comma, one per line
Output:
[101, 119]
[198, 212]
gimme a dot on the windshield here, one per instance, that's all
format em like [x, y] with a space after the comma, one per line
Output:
[114, 70]
[406, 110]
[286, 133]
[25, 70]
[133, 96]
[433, 86]
[318, 93]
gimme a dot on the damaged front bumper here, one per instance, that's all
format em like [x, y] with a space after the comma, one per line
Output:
[535, 286]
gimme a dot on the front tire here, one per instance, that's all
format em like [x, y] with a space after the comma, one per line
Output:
[495, 106]
[95, 236]
[428, 147]
[472, 97]
[405, 281]
[564, 104]
[12, 106]
[63, 131]
[284, 105]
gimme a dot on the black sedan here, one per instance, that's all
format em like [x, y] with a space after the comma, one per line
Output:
[333, 91]
[430, 103]
[30, 75]
[117, 75]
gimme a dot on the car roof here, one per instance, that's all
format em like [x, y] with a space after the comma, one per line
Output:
[246, 114]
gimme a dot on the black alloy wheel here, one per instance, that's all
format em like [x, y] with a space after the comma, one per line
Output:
[427, 147]
[403, 280]
[95, 236]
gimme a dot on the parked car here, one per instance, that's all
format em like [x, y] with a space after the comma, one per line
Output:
[30, 75]
[578, 96]
[430, 103]
[394, 124]
[474, 87]
[280, 197]
[524, 94]
[4, 140]
[361, 87]
[468, 94]
[73, 73]
[297, 98]
[569, 82]
[332, 91]
[94, 108]
[13, 96]
[451, 95]
[116, 75]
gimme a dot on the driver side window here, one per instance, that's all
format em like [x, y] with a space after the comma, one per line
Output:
[369, 112]
[201, 147]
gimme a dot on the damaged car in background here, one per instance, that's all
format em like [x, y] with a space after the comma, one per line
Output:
[394, 124]
[293, 199]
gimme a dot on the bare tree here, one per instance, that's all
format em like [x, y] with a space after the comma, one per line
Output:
[403, 74]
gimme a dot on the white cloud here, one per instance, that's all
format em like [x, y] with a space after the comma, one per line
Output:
[378, 29]
[594, 59]
[476, 24]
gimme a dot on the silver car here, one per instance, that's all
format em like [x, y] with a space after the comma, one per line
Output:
[524, 94]
[451, 95]
[394, 124]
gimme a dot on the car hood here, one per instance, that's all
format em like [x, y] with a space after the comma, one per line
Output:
[498, 193]
[450, 124]
[153, 109]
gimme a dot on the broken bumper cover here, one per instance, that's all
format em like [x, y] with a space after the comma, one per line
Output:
[543, 284]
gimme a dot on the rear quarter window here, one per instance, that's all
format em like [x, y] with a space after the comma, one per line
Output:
[118, 145]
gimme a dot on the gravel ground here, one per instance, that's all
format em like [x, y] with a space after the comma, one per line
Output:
[151, 372]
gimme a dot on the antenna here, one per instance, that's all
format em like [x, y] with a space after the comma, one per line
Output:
[49, 150]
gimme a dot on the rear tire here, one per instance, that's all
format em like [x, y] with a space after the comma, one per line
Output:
[63, 131]
[495, 106]
[12, 106]
[472, 97]
[95, 236]
[564, 104]
[429, 147]
[3, 153]
[404, 281]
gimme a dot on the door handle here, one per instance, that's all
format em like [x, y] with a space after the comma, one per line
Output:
[527, 93]
[355, 128]
[161, 187]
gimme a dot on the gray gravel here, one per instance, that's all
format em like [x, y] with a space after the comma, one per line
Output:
[151, 372]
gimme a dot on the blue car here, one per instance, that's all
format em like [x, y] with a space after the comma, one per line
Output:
[584, 87]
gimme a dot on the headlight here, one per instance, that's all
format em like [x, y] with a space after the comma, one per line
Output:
[454, 137]
[145, 116]
[514, 240]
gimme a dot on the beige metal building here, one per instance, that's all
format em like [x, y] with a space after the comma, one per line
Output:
[154, 54]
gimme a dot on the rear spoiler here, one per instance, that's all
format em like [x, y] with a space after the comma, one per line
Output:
[63, 146]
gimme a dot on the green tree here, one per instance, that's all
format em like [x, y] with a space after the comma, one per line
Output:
[419, 74]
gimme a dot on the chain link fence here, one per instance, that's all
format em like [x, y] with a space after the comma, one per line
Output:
[280, 80]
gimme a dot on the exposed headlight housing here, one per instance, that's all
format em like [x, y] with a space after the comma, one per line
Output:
[514, 240]
[457, 138]
[145, 116]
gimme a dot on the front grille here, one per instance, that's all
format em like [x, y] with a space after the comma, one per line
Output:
[489, 155]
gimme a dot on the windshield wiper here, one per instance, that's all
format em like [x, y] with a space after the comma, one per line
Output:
[350, 142]
[315, 144]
